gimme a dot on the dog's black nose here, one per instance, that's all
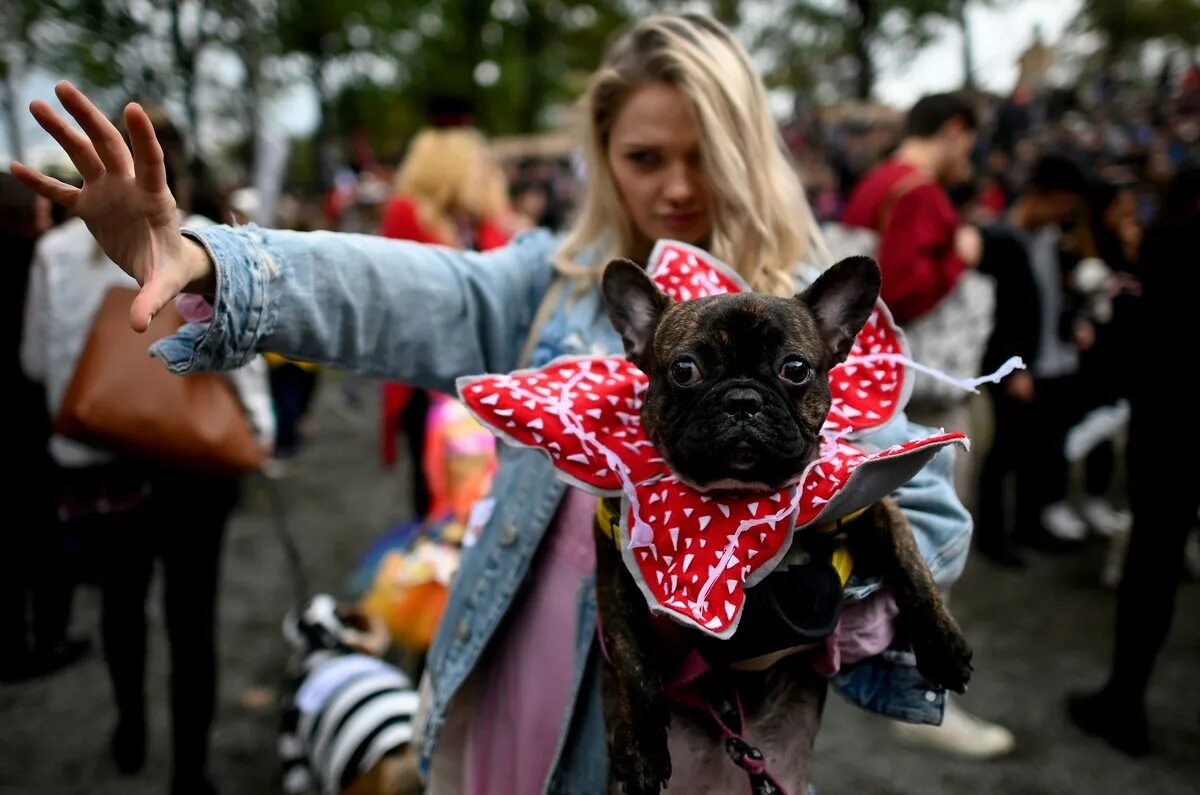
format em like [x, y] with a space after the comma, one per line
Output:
[742, 401]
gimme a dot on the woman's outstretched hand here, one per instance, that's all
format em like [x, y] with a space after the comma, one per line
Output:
[124, 200]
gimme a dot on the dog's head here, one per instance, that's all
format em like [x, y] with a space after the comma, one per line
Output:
[324, 625]
[738, 383]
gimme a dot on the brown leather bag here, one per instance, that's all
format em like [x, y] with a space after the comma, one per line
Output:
[122, 400]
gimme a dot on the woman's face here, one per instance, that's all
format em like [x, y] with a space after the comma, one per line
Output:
[654, 155]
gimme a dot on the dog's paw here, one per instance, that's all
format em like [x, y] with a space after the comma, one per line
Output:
[651, 772]
[641, 763]
[945, 661]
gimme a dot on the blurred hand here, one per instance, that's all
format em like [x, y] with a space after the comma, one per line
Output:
[1126, 283]
[124, 200]
[968, 245]
[1019, 386]
[1084, 335]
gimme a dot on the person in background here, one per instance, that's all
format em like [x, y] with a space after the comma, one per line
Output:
[448, 191]
[138, 514]
[1162, 486]
[293, 387]
[1033, 408]
[529, 202]
[1105, 291]
[923, 248]
[39, 565]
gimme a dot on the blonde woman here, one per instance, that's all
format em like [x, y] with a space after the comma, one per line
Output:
[448, 190]
[680, 144]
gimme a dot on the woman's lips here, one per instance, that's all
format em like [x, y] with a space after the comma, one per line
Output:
[680, 220]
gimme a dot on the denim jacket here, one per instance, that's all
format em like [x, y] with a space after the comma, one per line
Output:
[425, 315]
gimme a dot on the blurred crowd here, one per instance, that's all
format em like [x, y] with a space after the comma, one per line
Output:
[1063, 196]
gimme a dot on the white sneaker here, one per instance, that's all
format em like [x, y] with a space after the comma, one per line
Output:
[1105, 519]
[961, 734]
[275, 468]
[1061, 521]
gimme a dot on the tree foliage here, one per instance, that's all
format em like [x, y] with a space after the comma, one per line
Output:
[1126, 24]
[837, 42]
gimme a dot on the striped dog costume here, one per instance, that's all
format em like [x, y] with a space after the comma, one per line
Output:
[343, 711]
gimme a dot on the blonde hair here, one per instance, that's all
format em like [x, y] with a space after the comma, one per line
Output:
[762, 225]
[449, 171]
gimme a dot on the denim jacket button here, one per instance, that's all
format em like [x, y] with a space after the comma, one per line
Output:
[930, 696]
[464, 630]
[509, 534]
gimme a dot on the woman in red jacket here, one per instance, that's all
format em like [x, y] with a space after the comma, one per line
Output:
[449, 190]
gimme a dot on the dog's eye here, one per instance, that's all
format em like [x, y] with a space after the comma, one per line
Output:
[685, 372]
[795, 371]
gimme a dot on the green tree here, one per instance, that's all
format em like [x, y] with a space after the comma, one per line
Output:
[17, 18]
[812, 33]
[116, 46]
[1125, 25]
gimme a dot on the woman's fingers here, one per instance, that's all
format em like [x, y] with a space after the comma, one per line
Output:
[147, 152]
[51, 188]
[74, 143]
[108, 142]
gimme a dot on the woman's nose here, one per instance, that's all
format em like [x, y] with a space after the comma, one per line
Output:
[681, 182]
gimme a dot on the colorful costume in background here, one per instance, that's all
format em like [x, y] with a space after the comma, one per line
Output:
[406, 576]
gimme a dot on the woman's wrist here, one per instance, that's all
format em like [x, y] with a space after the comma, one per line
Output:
[200, 267]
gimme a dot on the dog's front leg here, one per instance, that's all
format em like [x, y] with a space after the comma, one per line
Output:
[634, 705]
[883, 539]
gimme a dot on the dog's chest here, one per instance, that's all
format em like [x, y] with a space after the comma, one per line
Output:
[784, 730]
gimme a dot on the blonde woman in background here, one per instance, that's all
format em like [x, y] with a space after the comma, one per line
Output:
[680, 144]
[448, 191]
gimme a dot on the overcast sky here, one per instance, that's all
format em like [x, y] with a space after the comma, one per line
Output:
[999, 35]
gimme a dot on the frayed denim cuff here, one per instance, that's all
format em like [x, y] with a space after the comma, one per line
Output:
[240, 317]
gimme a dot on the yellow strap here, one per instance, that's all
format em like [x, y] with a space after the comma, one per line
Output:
[841, 561]
[609, 522]
[834, 526]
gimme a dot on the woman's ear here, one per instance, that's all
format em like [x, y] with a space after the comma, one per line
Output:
[634, 305]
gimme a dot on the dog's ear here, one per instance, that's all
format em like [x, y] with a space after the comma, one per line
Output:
[842, 299]
[634, 305]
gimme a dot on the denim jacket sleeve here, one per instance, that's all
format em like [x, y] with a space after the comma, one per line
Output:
[420, 314]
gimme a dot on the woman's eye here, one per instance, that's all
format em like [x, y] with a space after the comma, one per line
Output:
[685, 372]
[795, 371]
[643, 157]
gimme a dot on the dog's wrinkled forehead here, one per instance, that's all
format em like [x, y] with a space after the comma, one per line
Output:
[738, 327]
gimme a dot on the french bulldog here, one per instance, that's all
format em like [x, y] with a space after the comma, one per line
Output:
[738, 392]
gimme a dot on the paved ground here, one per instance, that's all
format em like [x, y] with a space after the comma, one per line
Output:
[1036, 633]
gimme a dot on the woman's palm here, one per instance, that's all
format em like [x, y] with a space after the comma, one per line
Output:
[124, 200]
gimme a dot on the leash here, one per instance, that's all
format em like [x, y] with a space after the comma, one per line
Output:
[728, 716]
[282, 530]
